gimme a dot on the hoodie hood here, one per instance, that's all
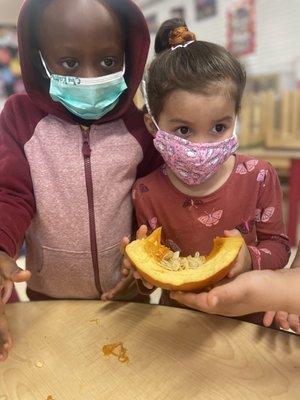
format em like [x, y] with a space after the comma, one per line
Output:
[37, 85]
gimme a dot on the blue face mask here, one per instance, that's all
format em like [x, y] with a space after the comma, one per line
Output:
[88, 98]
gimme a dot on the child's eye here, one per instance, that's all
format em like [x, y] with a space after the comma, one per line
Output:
[70, 64]
[108, 62]
[219, 128]
[183, 131]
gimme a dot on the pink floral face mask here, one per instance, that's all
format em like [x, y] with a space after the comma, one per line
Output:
[194, 163]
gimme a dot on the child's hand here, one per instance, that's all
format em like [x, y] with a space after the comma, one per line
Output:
[5, 337]
[130, 276]
[283, 320]
[243, 262]
[10, 273]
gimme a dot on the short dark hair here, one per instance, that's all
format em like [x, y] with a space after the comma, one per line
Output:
[199, 67]
[37, 9]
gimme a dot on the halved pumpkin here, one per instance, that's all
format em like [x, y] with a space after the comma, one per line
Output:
[152, 259]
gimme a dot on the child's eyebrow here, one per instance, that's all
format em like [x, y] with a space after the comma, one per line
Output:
[180, 121]
[227, 118]
[74, 50]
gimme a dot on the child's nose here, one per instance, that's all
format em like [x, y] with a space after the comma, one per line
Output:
[90, 72]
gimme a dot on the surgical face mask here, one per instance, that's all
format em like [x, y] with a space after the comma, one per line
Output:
[88, 98]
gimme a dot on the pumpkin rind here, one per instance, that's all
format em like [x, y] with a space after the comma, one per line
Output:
[146, 254]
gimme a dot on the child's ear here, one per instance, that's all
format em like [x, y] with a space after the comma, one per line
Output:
[149, 124]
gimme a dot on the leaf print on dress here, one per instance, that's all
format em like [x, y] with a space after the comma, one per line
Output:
[190, 203]
[257, 215]
[264, 215]
[257, 254]
[267, 214]
[261, 177]
[143, 188]
[246, 167]
[211, 219]
[266, 251]
[152, 222]
[246, 226]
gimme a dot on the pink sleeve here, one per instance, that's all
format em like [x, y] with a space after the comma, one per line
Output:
[272, 249]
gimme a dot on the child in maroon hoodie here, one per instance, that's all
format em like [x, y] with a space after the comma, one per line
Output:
[72, 147]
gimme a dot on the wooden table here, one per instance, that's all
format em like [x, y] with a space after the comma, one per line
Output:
[173, 354]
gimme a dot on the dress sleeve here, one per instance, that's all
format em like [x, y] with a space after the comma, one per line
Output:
[272, 249]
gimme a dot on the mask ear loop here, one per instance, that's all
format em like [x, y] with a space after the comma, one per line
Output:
[145, 95]
[236, 126]
[44, 65]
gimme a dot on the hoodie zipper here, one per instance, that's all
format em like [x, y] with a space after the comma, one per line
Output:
[86, 151]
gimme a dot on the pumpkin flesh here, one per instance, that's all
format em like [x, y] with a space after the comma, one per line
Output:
[147, 256]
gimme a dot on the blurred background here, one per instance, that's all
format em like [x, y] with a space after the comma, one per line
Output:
[264, 35]
[10, 74]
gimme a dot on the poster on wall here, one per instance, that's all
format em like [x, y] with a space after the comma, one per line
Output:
[241, 27]
[152, 23]
[205, 9]
[10, 72]
[177, 12]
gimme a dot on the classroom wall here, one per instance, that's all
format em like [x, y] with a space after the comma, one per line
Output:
[277, 37]
[9, 10]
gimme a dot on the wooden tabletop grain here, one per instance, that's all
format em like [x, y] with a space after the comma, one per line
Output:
[173, 354]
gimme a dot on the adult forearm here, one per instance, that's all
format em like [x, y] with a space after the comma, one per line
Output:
[292, 285]
[296, 262]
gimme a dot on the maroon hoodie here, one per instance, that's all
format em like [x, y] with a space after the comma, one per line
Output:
[66, 189]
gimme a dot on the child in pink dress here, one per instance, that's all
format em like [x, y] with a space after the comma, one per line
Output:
[193, 93]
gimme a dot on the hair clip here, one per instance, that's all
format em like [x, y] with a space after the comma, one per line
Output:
[182, 45]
